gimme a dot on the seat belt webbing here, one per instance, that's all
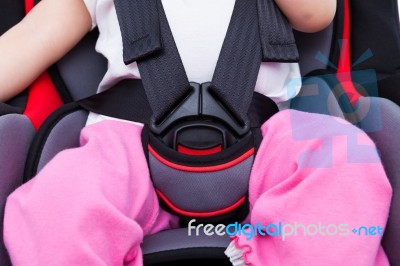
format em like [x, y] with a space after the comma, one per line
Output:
[140, 28]
[141, 37]
[277, 39]
[239, 61]
[236, 73]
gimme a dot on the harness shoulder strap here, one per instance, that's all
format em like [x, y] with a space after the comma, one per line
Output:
[233, 83]
[139, 25]
[277, 39]
[138, 20]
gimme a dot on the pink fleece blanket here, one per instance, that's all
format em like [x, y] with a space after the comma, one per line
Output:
[92, 205]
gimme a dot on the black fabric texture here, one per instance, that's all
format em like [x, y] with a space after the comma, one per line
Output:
[235, 76]
[261, 109]
[338, 28]
[389, 88]
[138, 20]
[239, 62]
[163, 74]
[375, 43]
[194, 262]
[59, 84]
[188, 256]
[20, 100]
[238, 65]
[11, 12]
[178, 238]
[126, 100]
[277, 40]
[8, 109]
[375, 27]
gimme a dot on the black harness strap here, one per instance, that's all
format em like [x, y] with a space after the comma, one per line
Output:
[233, 83]
[239, 61]
[127, 100]
[277, 40]
[234, 79]
[140, 28]
[163, 75]
[141, 36]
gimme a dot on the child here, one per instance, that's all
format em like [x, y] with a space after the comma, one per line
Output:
[96, 211]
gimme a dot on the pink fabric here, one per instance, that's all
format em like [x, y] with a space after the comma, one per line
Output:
[89, 206]
[92, 205]
[347, 186]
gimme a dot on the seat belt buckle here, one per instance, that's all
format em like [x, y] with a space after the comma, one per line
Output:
[199, 124]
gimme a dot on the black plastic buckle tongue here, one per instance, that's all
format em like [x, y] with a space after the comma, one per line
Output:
[200, 122]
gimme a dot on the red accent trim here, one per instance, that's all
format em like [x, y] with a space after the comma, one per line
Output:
[29, 5]
[43, 99]
[185, 150]
[344, 60]
[203, 169]
[200, 214]
[344, 69]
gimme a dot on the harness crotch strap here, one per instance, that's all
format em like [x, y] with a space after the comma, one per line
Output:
[201, 141]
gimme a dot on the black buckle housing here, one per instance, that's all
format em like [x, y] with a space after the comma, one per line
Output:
[200, 122]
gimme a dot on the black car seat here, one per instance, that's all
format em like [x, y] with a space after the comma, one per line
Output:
[375, 47]
[172, 246]
[367, 79]
[69, 120]
[21, 116]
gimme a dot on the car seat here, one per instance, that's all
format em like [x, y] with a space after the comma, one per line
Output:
[375, 34]
[367, 74]
[68, 121]
[159, 248]
[22, 116]
[16, 130]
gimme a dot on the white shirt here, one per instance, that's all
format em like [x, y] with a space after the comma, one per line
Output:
[199, 28]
